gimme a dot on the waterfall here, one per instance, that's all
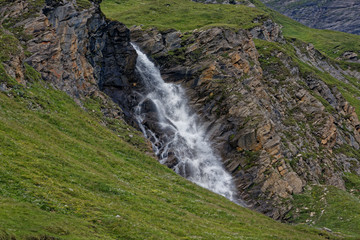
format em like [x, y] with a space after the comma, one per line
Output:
[175, 132]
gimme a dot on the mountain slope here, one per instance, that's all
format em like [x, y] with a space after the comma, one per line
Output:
[283, 115]
[181, 15]
[63, 175]
[332, 43]
[329, 14]
[71, 168]
[177, 16]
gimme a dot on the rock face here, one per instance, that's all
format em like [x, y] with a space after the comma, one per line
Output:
[77, 49]
[268, 31]
[265, 117]
[329, 14]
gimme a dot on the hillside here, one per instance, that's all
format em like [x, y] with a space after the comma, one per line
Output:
[177, 16]
[335, 44]
[69, 172]
[282, 115]
[333, 15]
[65, 176]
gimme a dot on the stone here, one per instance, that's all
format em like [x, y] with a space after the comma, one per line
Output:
[295, 182]
[327, 229]
[246, 114]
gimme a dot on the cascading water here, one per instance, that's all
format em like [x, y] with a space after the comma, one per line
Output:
[177, 138]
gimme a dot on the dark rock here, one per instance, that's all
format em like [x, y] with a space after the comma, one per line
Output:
[268, 31]
[148, 106]
[253, 122]
[334, 15]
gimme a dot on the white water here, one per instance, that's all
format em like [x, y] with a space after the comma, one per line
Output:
[186, 139]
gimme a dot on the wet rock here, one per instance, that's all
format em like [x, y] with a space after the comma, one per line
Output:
[148, 106]
[274, 135]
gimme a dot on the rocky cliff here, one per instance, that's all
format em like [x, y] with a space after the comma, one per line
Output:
[277, 126]
[330, 14]
[75, 48]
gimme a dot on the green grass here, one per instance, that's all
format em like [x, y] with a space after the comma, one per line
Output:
[332, 43]
[83, 4]
[8, 46]
[5, 78]
[186, 15]
[329, 207]
[64, 175]
[182, 15]
[352, 183]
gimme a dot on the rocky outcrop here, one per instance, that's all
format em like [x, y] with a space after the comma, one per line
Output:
[77, 49]
[335, 15]
[265, 117]
[268, 31]
[350, 57]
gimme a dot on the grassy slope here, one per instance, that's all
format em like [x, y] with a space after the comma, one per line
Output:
[63, 174]
[185, 15]
[350, 90]
[182, 15]
[327, 206]
[332, 43]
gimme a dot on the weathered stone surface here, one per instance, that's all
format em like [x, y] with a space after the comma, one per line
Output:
[268, 31]
[77, 51]
[80, 51]
[274, 135]
[352, 56]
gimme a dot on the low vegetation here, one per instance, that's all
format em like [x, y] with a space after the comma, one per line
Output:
[183, 15]
[332, 43]
[64, 175]
[331, 208]
[186, 15]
